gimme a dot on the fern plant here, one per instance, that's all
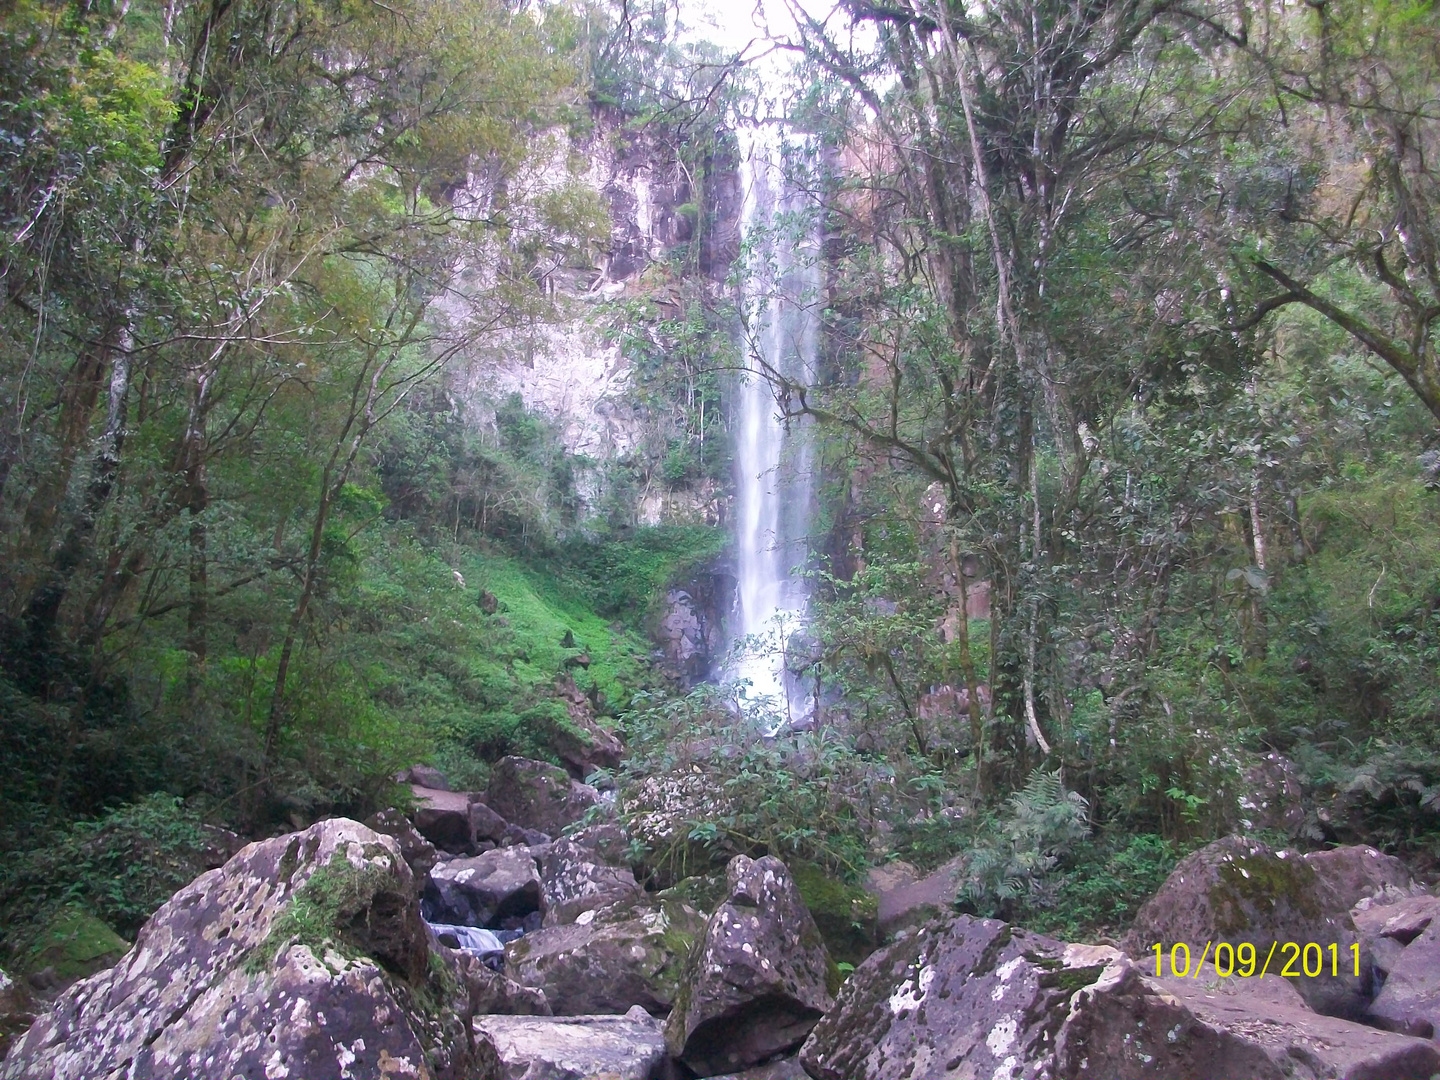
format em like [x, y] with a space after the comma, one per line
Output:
[1041, 820]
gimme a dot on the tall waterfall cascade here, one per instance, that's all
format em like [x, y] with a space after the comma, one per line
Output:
[774, 486]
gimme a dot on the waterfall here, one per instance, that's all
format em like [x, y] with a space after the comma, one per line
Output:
[772, 465]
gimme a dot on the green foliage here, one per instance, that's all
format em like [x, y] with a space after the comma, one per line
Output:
[844, 913]
[1013, 866]
[1101, 884]
[118, 868]
[810, 797]
[623, 577]
[71, 941]
[321, 912]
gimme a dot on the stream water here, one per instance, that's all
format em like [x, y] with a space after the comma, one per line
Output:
[774, 485]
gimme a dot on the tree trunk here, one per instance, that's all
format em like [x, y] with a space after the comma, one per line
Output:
[44, 606]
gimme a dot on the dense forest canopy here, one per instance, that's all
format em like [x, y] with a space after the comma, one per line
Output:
[1125, 427]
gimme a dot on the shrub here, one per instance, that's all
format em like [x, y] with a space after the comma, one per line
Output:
[120, 867]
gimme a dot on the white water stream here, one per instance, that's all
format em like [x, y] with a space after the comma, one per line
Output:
[772, 459]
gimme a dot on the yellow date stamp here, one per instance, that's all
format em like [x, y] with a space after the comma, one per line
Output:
[1289, 958]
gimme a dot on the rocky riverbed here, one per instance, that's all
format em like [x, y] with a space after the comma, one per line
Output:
[309, 957]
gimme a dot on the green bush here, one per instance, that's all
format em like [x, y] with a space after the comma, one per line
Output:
[1012, 868]
[120, 868]
[1102, 884]
[622, 577]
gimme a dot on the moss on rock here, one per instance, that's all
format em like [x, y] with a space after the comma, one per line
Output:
[74, 942]
[846, 915]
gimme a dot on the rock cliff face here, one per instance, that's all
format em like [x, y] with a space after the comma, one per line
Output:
[572, 366]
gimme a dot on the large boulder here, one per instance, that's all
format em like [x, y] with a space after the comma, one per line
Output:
[574, 879]
[970, 998]
[631, 953]
[419, 854]
[1126, 1025]
[304, 955]
[757, 980]
[483, 890]
[1240, 891]
[628, 1047]
[443, 818]
[660, 811]
[488, 826]
[905, 898]
[538, 796]
[582, 744]
[1358, 872]
[1409, 1001]
[1272, 798]
[963, 998]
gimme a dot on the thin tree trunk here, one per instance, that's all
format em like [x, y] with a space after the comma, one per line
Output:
[44, 606]
[967, 671]
[78, 397]
[1033, 627]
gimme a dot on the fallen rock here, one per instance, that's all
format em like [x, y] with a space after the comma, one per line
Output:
[757, 980]
[573, 881]
[1236, 890]
[517, 836]
[427, 776]
[486, 824]
[418, 853]
[965, 997]
[1273, 799]
[1357, 872]
[492, 993]
[1386, 928]
[483, 890]
[301, 956]
[784, 1069]
[17, 1011]
[1409, 1001]
[628, 1047]
[976, 998]
[906, 899]
[443, 818]
[582, 745]
[535, 795]
[1124, 1025]
[631, 953]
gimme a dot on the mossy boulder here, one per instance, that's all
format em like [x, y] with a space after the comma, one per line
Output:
[614, 958]
[846, 915]
[72, 944]
[757, 980]
[537, 795]
[1241, 892]
[304, 955]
